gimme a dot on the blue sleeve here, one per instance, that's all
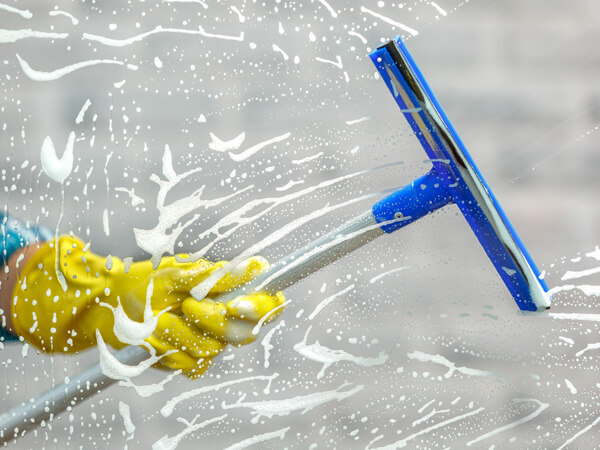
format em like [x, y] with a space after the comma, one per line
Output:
[14, 235]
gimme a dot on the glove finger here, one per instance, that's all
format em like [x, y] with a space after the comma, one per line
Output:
[211, 317]
[183, 335]
[255, 306]
[199, 369]
[178, 360]
[241, 274]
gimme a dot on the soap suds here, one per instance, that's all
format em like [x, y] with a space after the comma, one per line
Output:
[57, 168]
[38, 75]
[259, 438]
[125, 412]
[9, 36]
[327, 357]
[224, 146]
[284, 407]
[157, 30]
[167, 410]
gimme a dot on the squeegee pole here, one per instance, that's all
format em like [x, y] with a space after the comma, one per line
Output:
[291, 269]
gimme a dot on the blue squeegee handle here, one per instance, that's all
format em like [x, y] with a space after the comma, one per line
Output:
[417, 199]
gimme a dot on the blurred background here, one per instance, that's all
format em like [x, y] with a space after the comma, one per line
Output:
[519, 80]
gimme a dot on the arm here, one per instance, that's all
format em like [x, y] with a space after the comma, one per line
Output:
[9, 278]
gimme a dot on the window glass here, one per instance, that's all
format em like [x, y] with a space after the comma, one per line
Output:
[218, 128]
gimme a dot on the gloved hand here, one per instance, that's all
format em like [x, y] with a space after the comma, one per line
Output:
[58, 320]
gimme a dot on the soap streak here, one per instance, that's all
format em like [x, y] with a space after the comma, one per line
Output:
[428, 416]
[9, 36]
[259, 438]
[74, 20]
[594, 346]
[82, 111]
[569, 275]
[579, 433]
[200, 2]
[170, 443]
[266, 341]
[533, 415]
[402, 442]
[167, 410]
[390, 21]
[439, 359]
[158, 29]
[37, 75]
[237, 157]
[223, 146]
[358, 35]
[24, 13]
[326, 356]
[325, 302]
[284, 407]
[329, 8]
[381, 275]
[307, 159]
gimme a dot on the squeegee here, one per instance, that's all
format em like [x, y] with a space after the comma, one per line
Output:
[453, 179]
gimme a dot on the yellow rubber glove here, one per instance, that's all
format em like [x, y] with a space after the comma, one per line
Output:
[98, 288]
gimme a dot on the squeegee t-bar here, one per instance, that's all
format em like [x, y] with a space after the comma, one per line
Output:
[454, 178]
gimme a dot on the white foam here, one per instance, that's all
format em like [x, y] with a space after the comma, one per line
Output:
[569, 275]
[38, 75]
[593, 346]
[170, 443]
[57, 168]
[57, 12]
[438, 8]
[24, 13]
[167, 410]
[115, 369]
[594, 254]
[327, 357]
[571, 387]
[329, 8]
[359, 120]
[403, 442]
[157, 30]
[384, 274]
[8, 36]
[105, 223]
[136, 200]
[326, 301]
[200, 2]
[235, 9]
[125, 412]
[579, 433]
[130, 331]
[290, 184]
[358, 35]
[237, 157]
[162, 237]
[259, 438]
[439, 359]
[533, 415]
[278, 49]
[307, 159]
[284, 407]
[390, 21]
[224, 146]
[82, 111]
[266, 341]
[337, 63]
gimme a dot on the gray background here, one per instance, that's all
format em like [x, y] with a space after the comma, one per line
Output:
[519, 80]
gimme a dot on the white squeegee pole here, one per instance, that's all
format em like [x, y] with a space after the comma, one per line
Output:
[291, 269]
